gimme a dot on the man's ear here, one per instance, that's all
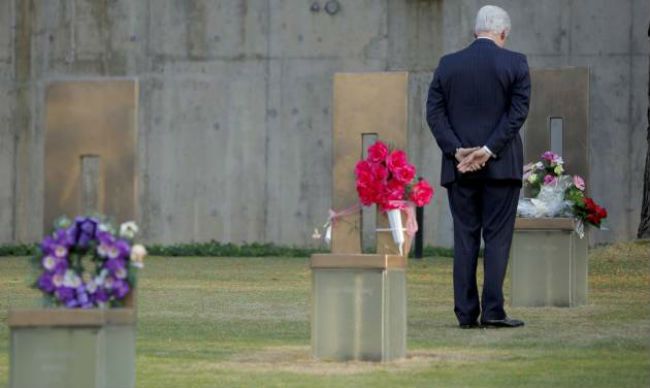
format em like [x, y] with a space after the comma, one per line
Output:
[503, 36]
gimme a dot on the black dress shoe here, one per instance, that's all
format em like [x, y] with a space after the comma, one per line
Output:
[506, 322]
[472, 325]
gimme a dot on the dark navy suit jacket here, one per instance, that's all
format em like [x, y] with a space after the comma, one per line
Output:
[480, 96]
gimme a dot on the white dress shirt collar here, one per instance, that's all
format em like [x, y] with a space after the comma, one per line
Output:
[486, 37]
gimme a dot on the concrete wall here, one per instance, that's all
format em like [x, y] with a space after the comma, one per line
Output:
[235, 100]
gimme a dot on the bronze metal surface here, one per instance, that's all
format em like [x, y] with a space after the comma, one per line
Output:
[560, 93]
[362, 261]
[70, 317]
[545, 223]
[364, 103]
[90, 121]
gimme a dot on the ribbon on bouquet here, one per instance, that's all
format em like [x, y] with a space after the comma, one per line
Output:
[411, 226]
[411, 222]
[335, 215]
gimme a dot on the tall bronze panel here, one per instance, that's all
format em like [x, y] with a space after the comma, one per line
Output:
[364, 103]
[559, 117]
[90, 144]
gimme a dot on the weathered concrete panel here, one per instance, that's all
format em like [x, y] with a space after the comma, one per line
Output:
[416, 34]
[639, 32]
[610, 139]
[6, 39]
[538, 27]
[356, 30]
[299, 157]
[601, 27]
[427, 157]
[537, 35]
[7, 144]
[208, 29]
[638, 124]
[85, 37]
[205, 153]
[55, 45]
[28, 158]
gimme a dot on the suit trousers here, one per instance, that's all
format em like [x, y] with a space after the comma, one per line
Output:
[487, 208]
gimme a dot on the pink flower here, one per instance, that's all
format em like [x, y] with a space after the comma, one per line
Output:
[379, 172]
[363, 171]
[550, 156]
[579, 182]
[549, 180]
[394, 191]
[404, 174]
[421, 193]
[396, 159]
[369, 192]
[377, 152]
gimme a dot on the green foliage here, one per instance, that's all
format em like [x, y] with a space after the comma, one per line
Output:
[574, 194]
[430, 251]
[18, 249]
[217, 249]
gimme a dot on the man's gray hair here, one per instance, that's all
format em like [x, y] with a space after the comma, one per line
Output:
[493, 19]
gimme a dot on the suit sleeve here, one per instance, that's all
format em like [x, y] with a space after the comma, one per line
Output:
[514, 118]
[438, 120]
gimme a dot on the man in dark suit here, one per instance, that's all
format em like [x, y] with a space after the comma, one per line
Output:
[478, 100]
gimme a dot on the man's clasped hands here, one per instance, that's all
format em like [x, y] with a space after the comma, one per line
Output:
[471, 159]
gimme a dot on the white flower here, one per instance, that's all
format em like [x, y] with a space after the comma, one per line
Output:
[102, 250]
[121, 273]
[71, 279]
[57, 280]
[138, 253]
[539, 165]
[113, 252]
[99, 280]
[49, 262]
[316, 235]
[60, 251]
[91, 287]
[129, 229]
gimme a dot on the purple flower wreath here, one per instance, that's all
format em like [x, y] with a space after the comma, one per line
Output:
[86, 264]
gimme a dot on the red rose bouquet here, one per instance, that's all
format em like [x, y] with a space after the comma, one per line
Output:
[387, 179]
[590, 212]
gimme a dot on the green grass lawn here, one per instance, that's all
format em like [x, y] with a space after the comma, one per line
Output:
[243, 322]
